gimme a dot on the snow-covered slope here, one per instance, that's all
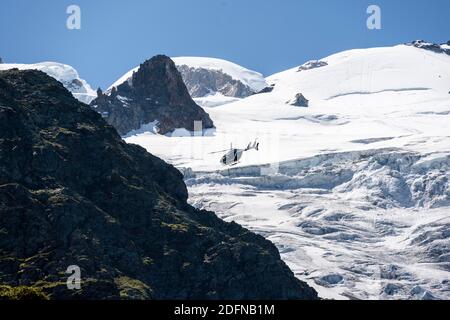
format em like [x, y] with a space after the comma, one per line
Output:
[353, 189]
[361, 74]
[212, 82]
[381, 97]
[65, 74]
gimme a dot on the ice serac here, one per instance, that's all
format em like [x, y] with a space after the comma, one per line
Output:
[154, 92]
[65, 74]
[72, 192]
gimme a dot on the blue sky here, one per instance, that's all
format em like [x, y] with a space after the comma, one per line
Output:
[264, 35]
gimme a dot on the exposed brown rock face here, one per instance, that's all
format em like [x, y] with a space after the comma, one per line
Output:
[73, 193]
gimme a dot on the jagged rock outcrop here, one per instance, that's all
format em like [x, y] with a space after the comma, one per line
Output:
[155, 92]
[299, 101]
[201, 82]
[72, 192]
[313, 64]
[421, 44]
[267, 89]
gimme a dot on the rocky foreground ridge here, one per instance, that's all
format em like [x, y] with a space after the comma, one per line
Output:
[72, 192]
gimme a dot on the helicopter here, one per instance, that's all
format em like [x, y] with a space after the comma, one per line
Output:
[233, 155]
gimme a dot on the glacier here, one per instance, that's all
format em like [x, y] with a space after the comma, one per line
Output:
[353, 189]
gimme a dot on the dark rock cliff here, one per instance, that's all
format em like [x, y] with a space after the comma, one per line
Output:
[156, 92]
[73, 193]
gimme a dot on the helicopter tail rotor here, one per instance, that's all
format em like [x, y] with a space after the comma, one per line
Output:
[254, 145]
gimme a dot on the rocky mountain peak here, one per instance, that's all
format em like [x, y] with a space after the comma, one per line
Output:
[155, 92]
[160, 75]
